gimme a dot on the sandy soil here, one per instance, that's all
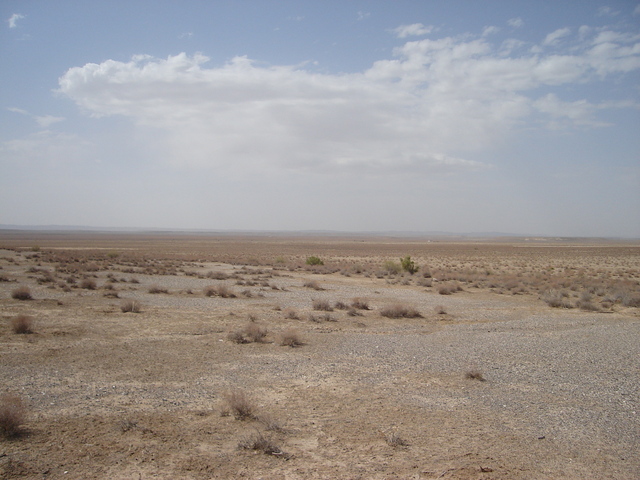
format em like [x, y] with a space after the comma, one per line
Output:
[121, 395]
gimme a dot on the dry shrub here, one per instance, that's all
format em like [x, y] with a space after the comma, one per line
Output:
[132, 306]
[157, 289]
[22, 324]
[556, 299]
[360, 304]
[440, 310]
[240, 405]
[313, 284]
[400, 311]
[217, 275]
[448, 289]
[260, 443]
[88, 284]
[237, 337]
[291, 314]
[475, 375]
[255, 333]
[395, 440]
[322, 305]
[21, 293]
[341, 306]
[218, 291]
[12, 415]
[290, 338]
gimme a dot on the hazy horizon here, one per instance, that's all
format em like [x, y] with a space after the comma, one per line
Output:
[445, 116]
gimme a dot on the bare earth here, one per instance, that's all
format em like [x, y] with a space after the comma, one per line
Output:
[122, 395]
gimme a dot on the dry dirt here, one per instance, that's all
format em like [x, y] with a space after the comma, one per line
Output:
[122, 395]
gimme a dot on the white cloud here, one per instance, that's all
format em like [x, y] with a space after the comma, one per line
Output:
[363, 15]
[47, 120]
[43, 120]
[607, 12]
[490, 30]
[515, 22]
[431, 107]
[13, 20]
[415, 29]
[554, 37]
[636, 11]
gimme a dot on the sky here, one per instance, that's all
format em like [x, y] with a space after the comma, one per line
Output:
[454, 116]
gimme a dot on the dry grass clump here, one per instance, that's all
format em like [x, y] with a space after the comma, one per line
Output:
[360, 304]
[556, 299]
[12, 415]
[395, 440]
[449, 289]
[290, 338]
[217, 275]
[239, 404]
[260, 443]
[22, 324]
[132, 306]
[251, 333]
[474, 375]
[88, 284]
[157, 289]
[313, 284]
[322, 305]
[339, 305]
[218, 291]
[400, 311]
[440, 310]
[291, 314]
[21, 293]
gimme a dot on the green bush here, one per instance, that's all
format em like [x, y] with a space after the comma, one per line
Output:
[408, 265]
[313, 260]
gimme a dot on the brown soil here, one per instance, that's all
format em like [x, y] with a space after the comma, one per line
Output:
[499, 386]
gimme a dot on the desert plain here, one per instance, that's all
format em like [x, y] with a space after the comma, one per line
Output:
[197, 356]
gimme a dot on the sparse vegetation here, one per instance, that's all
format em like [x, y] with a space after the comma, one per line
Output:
[12, 415]
[322, 305]
[290, 338]
[440, 310]
[313, 260]
[360, 304]
[88, 284]
[22, 324]
[409, 265]
[313, 284]
[400, 311]
[260, 443]
[21, 293]
[474, 375]
[395, 440]
[132, 306]
[157, 289]
[218, 291]
[240, 405]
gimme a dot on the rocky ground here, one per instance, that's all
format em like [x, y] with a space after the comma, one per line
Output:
[481, 385]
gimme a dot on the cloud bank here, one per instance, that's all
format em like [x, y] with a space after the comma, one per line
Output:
[430, 107]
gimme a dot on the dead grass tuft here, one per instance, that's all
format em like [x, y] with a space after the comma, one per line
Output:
[22, 324]
[313, 284]
[157, 289]
[132, 306]
[322, 305]
[240, 405]
[290, 338]
[360, 304]
[475, 375]
[88, 284]
[395, 440]
[400, 311]
[21, 293]
[12, 415]
[260, 443]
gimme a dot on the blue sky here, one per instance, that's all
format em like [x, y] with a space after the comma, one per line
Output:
[459, 116]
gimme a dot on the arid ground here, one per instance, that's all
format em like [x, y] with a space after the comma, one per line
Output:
[511, 359]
